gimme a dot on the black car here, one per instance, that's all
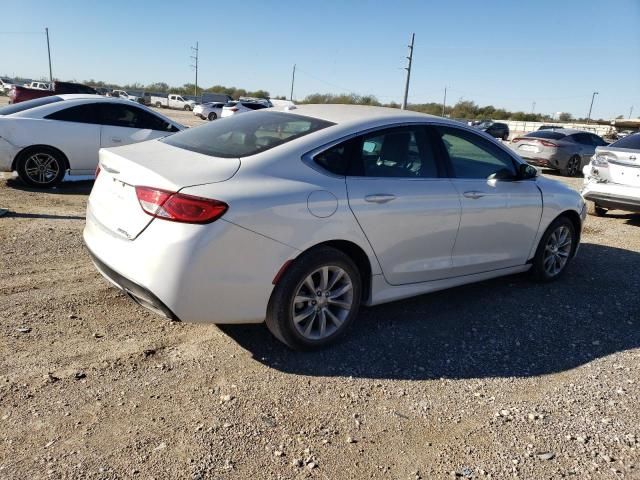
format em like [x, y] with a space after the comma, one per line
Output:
[495, 129]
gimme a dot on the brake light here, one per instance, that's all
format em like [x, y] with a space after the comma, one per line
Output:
[547, 143]
[517, 139]
[234, 109]
[178, 207]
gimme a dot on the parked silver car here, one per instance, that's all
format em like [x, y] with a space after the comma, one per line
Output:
[566, 150]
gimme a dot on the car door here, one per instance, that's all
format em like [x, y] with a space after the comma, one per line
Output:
[76, 132]
[124, 124]
[500, 214]
[407, 208]
[585, 145]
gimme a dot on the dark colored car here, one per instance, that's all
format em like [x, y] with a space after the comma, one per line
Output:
[495, 129]
[20, 94]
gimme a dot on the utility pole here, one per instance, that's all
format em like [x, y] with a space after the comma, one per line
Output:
[408, 69]
[591, 107]
[444, 102]
[46, 31]
[195, 59]
[533, 107]
[293, 80]
[630, 111]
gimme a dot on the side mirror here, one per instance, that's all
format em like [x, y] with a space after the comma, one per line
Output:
[526, 171]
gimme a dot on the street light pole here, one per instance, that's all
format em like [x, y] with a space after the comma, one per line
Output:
[293, 80]
[444, 102]
[591, 107]
[46, 31]
[408, 69]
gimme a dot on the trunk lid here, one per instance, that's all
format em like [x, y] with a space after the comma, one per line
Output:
[624, 165]
[113, 201]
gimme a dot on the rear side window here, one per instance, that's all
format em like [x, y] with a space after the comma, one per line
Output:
[245, 135]
[129, 116]
[550, 134]
[22, 106]
[254, 106]
[78, 114]
[582, 138]
[472, 156]
[632, 142]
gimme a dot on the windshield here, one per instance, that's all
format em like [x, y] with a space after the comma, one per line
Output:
[245, 135]
[22, 106]
[632, 142]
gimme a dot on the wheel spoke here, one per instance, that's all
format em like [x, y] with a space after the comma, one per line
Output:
[339, 303]
[300, 298]
[324, 278]
[304, 314]
[336, 276]
[341, 291]
[323, 322]
[336, 321]
[312, 320]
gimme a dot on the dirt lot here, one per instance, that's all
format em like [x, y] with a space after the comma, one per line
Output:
[501, 379]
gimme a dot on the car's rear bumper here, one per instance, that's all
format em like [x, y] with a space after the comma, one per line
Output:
[215, 273]
[613, 195]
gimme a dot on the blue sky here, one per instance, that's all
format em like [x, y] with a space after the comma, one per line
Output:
[505, 53]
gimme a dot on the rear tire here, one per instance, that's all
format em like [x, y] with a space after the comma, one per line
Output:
[41, 167]
[315, 300]
[573, 167]
[212, 116]
[555, 250]
[187, 108]
[505, 137]
[158, 105]
[594, 209]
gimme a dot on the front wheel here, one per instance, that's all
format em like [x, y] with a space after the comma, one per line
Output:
[187, 108]
[555, 250]
[41, 167]
[212, 116]
[158, 105]
[315, 300]
[505, 136]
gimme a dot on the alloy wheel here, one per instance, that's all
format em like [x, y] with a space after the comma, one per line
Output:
[557, 250]
[572, 166]
[322, 303]
[42, 168]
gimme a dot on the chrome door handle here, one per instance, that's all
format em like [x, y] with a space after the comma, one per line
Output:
[379, 198]
[116, 140]
[474, 194]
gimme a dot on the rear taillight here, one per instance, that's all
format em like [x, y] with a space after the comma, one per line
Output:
[547, 143]
[234, 109]
[178, 207]
[517, 139]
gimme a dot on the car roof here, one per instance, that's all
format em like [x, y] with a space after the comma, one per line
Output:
[340, 114]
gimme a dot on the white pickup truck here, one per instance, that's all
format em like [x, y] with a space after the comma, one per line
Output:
[39, 86]
[125, 96]
[172, 101]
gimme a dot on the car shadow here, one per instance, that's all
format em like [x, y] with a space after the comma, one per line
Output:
[78, 187]
[44, 216]
[507, 327]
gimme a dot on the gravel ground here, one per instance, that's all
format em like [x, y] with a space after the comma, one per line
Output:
[501, 379]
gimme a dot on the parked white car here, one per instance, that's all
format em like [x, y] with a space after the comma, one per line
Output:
[45, 138]
[237, 107]
[176, 102]
[39, 86]
[5, 84]
[125, 96]
[612, 178]
[300, 216]
[208, 111]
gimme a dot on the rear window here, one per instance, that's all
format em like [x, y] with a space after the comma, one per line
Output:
[550, 134]
[632, 142]
[22, 106]
[244, 135]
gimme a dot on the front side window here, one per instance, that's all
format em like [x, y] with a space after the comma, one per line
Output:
[79, 114]
[472, 156]
[245, 135]
[129, 116]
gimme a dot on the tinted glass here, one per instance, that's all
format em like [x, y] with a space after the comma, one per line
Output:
[130, 116]
[597, 141]
[336, 159]
[245, 135]
[474, 157]
[79, 114]
[632, 141]
[550, 134]
[398, 152]
[22, 106]
[254, 106]
[582, 138]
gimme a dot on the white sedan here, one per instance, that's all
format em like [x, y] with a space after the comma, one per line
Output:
[298, 216]
[209, 110]
[45, 138]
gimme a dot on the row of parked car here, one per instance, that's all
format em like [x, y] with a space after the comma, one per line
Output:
[332, 211]
[214, 110]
